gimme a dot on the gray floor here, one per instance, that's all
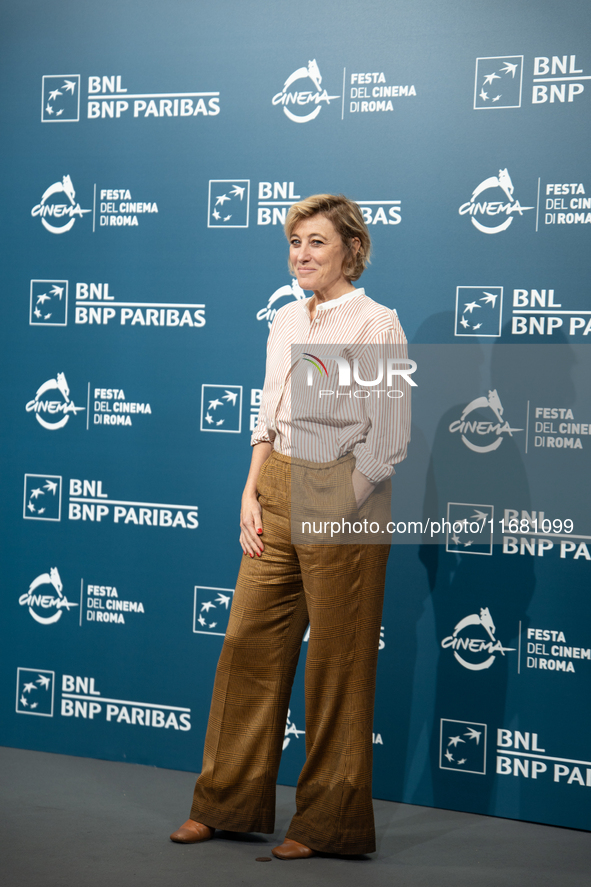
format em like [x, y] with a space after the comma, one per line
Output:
[77, 822]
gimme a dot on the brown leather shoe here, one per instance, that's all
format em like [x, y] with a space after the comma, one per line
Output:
[292, 850]
[192, 832]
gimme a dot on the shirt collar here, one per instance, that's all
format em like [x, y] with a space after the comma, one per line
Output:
[333, 303]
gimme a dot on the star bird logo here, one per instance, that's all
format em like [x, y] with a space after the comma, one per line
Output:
[462, 746]
[34, 691]
[42, 497]
[60, 98]
[211, 610]
[48, 303]
[471, 528]
[221, 408]
[228, 203]
[498, 82]
[479, 311]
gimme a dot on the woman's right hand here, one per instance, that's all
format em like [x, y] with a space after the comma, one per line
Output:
[251, 525]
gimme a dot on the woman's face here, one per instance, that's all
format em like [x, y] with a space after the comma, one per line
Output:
[316, 252]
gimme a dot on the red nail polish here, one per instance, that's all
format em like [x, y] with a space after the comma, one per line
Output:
[260, 532]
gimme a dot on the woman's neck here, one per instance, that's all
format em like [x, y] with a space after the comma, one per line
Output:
[335, 292]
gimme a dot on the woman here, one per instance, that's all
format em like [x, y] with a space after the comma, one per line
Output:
[343, 453]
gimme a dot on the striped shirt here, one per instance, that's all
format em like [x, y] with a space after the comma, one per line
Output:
[308, 411]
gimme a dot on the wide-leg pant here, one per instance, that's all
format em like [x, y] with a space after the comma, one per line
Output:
[339, 590]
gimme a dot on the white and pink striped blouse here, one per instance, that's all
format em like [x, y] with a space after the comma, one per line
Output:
[306, 412]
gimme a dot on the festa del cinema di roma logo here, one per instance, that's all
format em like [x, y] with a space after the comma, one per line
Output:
[487, 208]
[477, 429]
[39, 602]
[478, 646]
[282, 296]
[301, 98]
[63, 407]
[56, 209]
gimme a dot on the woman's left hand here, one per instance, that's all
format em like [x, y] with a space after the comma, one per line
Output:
[362, 487]
[251, 525]
[251, 522]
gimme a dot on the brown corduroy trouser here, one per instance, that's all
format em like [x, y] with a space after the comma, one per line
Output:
[339, 590]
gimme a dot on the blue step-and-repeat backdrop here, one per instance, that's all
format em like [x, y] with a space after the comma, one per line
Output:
[150, 152]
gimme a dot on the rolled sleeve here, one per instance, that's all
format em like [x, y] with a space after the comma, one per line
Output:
[261, 433]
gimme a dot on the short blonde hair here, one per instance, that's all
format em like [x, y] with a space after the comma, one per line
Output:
[348, 221]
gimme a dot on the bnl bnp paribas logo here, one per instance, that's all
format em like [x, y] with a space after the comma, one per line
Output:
[462, 746]
[211, 610]
[492, 198]
[506, 93]
[42, 498]
[301, 90]
[60, 98]
[35, 691]
[221, 408]
[483, 435]
[48, 303]
[470, 528]
[498, 82]
[228, 203]
[479, 311]
[107, 98]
